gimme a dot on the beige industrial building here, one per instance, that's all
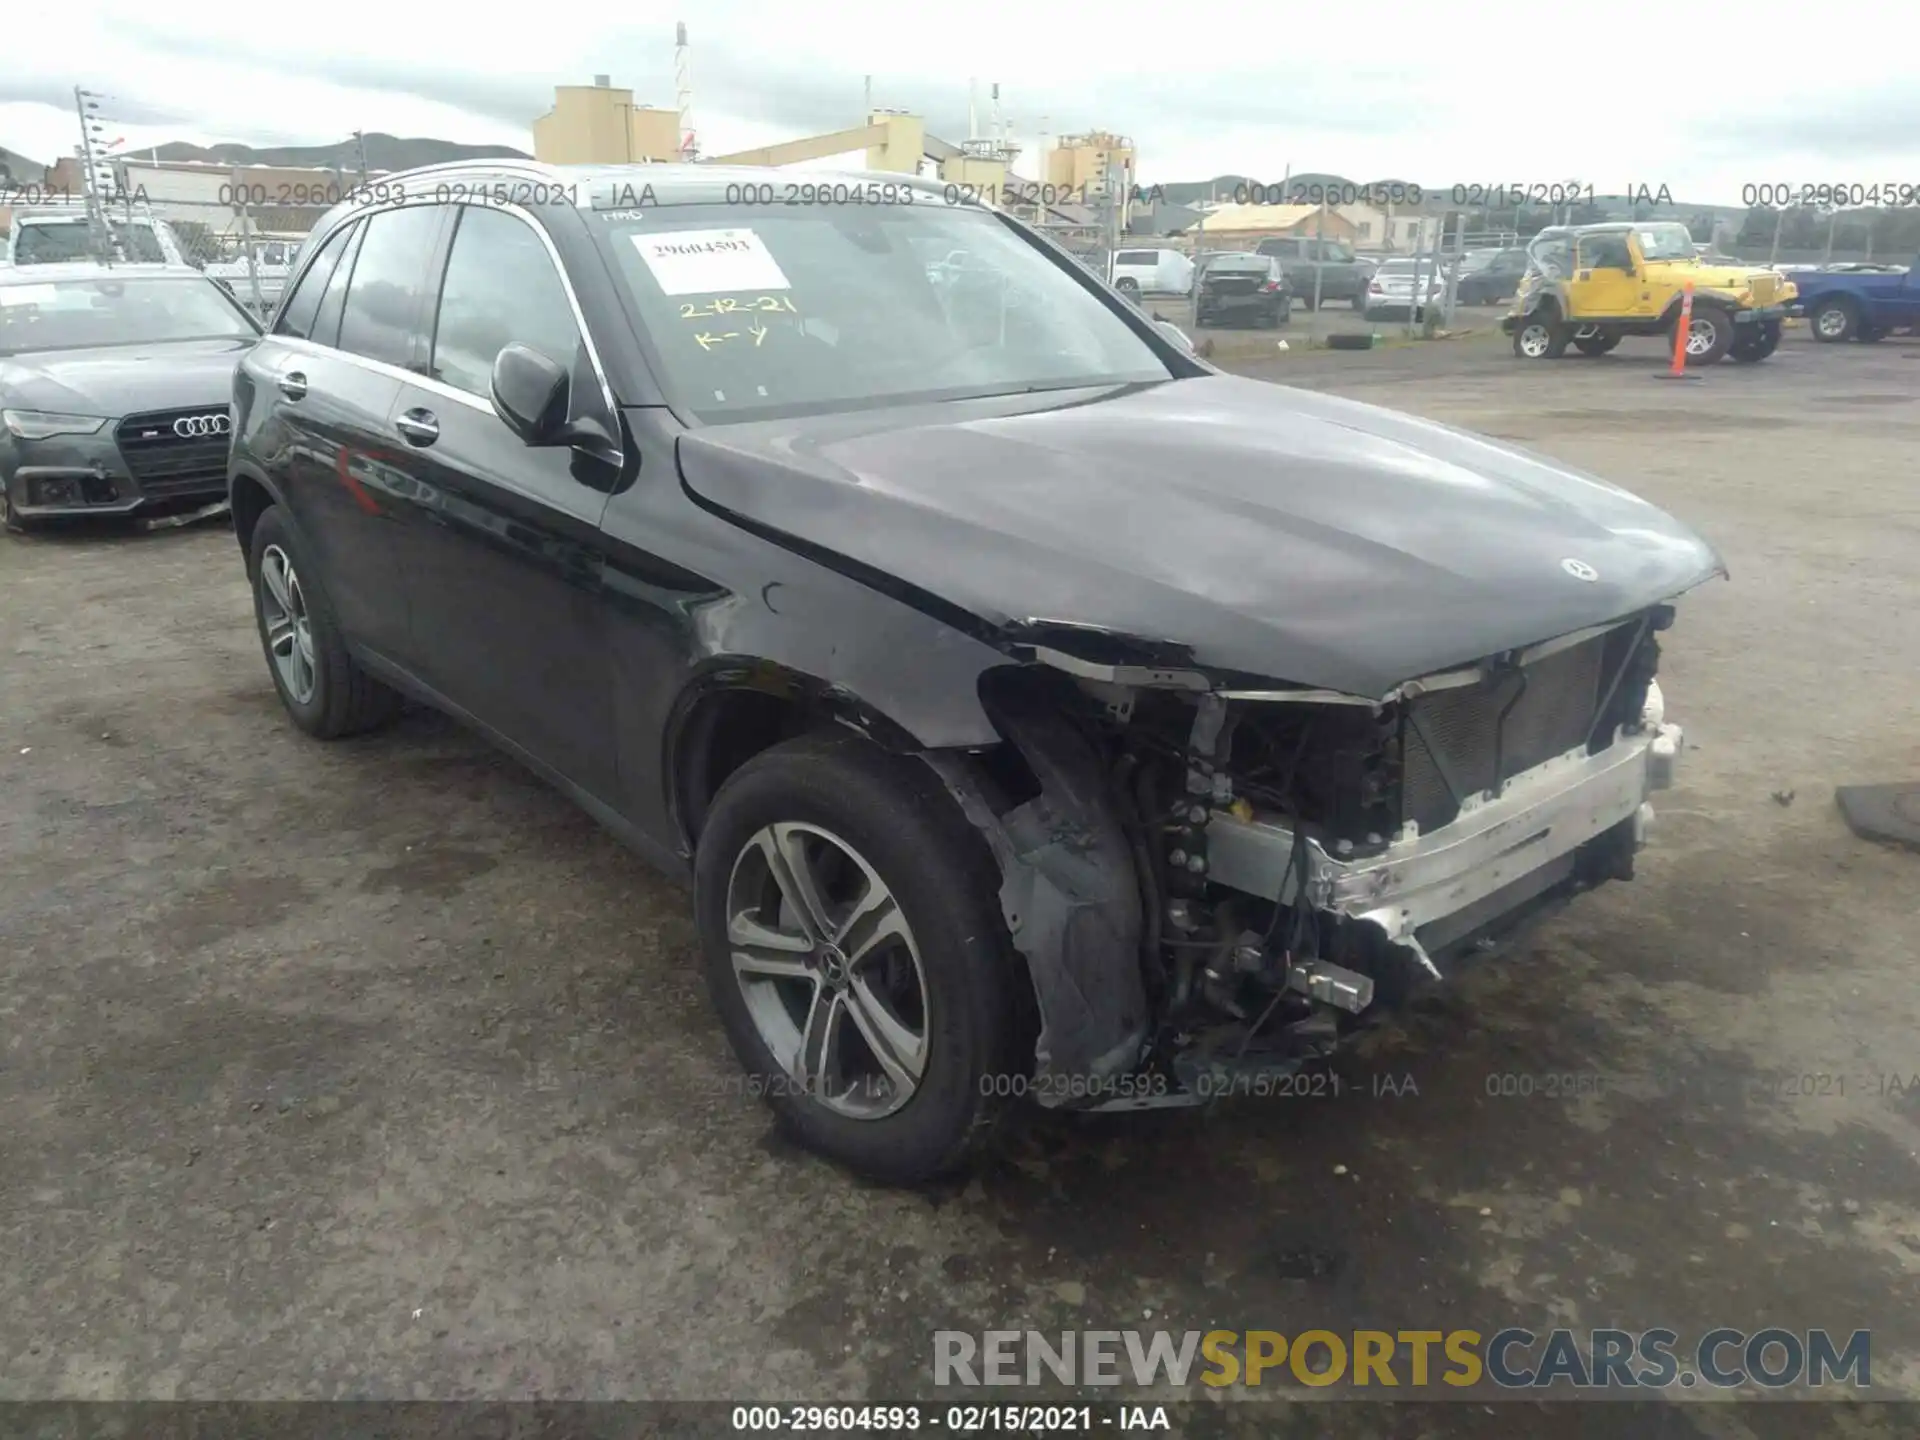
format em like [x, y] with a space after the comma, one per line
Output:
[1083, 164]
[600, 124]
[1232, 225]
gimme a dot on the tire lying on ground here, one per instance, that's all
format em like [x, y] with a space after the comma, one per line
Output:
[1759, 345]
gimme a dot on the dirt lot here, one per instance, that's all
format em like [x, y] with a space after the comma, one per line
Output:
[375, 1069]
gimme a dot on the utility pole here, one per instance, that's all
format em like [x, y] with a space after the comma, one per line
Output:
[97, 234]
[689, 151]
[360, 147]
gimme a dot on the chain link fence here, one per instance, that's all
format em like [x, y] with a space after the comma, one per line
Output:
[240, 226]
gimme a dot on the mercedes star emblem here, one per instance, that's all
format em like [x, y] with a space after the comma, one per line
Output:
[1579, 569]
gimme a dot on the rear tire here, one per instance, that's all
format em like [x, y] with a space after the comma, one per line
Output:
[1541, 336]
[854, 816]
[1128, 286]
[1599, 344]
[322, 686]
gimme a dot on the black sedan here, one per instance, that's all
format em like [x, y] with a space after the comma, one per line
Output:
[115, 389]
[1242, 290]
[1488, 277]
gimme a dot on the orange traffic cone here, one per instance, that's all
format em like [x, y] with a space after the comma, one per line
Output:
[1678, 371]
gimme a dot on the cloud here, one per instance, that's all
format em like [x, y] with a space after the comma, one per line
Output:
[1196, 100]
[1876, 123]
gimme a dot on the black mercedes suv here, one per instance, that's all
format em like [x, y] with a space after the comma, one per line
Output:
[1035, 710]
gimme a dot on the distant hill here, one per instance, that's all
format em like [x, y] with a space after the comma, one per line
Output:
[384, 152]
[18, 169]
[1223, 187]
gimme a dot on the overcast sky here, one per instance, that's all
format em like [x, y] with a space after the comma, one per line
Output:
[1203, 90]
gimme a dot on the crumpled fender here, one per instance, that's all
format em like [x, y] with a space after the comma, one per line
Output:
[1071, 901]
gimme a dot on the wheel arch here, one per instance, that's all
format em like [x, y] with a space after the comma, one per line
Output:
[251, 497]
[736, 708]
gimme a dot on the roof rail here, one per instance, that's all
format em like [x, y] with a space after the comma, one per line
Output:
[504, 162]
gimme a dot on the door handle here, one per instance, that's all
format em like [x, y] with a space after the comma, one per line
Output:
[418, 427]
[293, 385]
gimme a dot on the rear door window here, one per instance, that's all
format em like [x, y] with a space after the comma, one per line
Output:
[304, 305]
[382, 315]
[333, 300]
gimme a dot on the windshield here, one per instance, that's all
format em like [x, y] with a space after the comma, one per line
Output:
[60, 241]
[762, 311]
[82, 314]
[1665, 242]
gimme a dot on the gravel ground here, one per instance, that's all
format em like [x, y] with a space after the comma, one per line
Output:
[375, 1069]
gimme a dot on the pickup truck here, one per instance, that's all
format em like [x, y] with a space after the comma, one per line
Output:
[1858, 303]
[1343, 275]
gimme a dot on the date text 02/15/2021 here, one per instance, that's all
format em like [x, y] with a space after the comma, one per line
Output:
[954, 1419]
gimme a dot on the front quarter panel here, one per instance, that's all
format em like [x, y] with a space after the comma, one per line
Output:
[700, 603]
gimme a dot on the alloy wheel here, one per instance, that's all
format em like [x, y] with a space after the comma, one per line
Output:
[1831, 322]
[829, 970]
[283, 609]
[1534, 340]
[1700, 336]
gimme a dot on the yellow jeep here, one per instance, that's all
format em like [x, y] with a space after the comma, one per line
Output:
[1590, 286]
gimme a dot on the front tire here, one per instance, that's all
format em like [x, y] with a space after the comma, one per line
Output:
[323, 688]
[1710, 336]
[1835, 321]
[1128, 286]
[15, 522]
[851, 930]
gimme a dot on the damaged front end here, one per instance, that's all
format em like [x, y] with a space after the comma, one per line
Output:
[1212, 878]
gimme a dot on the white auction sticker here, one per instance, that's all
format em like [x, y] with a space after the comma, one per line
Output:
[701, 262]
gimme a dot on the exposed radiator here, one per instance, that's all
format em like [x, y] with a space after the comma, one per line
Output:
[1551, 716]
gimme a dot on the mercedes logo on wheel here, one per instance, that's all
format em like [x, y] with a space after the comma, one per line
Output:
[189, 427]
[1579, 569]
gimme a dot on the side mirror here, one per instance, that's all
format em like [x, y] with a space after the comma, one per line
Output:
[1174, 333]
[530, 393]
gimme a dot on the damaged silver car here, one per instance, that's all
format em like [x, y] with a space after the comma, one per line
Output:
[1037, 711]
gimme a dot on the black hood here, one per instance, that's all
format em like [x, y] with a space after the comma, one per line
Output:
[1264, 530]
[123, 380]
